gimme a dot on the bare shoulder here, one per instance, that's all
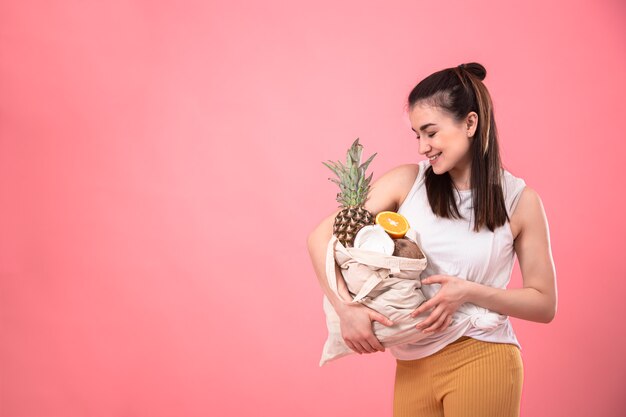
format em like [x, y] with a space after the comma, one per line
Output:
[407, 174]
[389, 191]
[529, 213]
[530, 203]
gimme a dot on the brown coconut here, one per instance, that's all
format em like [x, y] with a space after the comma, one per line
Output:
[406, 248]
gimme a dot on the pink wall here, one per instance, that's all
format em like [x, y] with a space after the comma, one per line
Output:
[160, 169]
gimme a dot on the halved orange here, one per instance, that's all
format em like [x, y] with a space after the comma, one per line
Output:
[395, 224]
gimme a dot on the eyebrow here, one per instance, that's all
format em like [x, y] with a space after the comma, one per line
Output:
[424, 127]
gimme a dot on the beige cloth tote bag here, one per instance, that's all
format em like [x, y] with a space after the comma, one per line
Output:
[388, 284]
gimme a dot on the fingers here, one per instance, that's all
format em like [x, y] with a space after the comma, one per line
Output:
[381, 319]
[441, 323]
[360, 336]
[369, 345]
[435, 314]
[426, 305]
[433, 321]
[375, 343]
[351, 345]
[372, 339]
[365, 343]
[435, 326]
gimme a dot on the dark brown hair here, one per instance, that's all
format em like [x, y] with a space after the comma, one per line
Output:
[458, 91]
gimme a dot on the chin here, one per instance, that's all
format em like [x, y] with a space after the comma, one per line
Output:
[437, 169]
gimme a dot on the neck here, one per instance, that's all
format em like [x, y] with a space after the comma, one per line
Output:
[461, 176]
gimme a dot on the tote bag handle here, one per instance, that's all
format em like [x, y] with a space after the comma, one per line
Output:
[371, 283]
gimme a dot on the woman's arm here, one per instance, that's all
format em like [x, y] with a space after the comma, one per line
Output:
[537, 301]
[317, 243]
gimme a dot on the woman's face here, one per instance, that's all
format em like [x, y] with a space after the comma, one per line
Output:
[437, 132]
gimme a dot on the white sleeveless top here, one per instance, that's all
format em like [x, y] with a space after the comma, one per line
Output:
[453, 248]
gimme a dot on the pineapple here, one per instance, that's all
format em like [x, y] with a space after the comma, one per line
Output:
[354, 190]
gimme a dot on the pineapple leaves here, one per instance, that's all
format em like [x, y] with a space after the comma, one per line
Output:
[336, 167]
[366, 163]
[351, 178]
[353, 174]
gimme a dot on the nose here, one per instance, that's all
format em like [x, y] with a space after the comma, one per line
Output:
[423, 146]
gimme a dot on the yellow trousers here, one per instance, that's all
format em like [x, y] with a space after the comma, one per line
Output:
[467, 378]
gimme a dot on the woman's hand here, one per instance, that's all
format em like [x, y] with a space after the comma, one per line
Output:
[450, 296]
[356, 327]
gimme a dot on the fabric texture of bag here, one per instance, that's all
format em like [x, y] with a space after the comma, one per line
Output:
[388, 284]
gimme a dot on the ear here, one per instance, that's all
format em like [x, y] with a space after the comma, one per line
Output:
[471, 122]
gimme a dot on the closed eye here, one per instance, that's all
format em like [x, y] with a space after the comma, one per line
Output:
[430, 136]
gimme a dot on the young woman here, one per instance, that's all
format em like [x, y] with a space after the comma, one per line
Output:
[472, 218]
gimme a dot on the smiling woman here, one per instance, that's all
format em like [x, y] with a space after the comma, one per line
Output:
[472, 218]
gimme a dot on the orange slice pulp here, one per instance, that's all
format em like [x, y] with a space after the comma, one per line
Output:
[395, 224]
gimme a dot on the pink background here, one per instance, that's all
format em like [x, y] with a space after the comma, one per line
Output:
[160, 170]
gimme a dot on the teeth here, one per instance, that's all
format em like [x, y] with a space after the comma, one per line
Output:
[434, 157]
